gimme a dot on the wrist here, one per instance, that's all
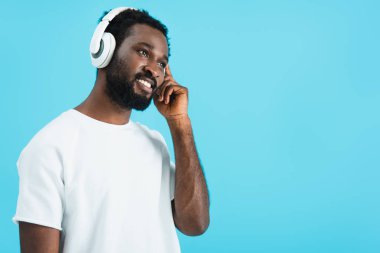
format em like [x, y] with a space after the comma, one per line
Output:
[178, 121]
[177, 117]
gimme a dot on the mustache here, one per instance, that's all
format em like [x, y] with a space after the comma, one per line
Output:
[147, 76]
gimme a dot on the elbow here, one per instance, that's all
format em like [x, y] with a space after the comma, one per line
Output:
[200, 229]
[196, 228]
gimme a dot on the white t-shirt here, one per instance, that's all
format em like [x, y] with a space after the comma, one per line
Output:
[107, 187]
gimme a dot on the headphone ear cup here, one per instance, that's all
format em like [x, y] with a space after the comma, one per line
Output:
[109, 39]
[107, 47]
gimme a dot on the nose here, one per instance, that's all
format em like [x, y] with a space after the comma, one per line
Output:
[152, 68]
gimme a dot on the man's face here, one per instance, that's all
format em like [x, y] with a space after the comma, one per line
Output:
[138, 68]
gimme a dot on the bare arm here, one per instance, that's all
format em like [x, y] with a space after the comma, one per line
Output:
[38, 239]
[191, 205]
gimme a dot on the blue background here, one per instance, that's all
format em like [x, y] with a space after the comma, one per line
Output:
[284, 101]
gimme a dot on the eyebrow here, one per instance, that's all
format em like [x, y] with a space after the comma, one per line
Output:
[151, 48]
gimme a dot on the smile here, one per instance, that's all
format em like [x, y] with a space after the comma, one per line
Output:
[145, 86]
[145, 83]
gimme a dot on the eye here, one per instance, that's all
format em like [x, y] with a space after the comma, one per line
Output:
[162, 64]
[143, 52]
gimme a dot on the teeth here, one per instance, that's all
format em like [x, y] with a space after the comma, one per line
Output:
[145, 83]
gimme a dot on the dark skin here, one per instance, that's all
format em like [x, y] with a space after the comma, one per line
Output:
[38, 239]
[146, 49]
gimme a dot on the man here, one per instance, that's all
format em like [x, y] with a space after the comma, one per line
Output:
[94, 181]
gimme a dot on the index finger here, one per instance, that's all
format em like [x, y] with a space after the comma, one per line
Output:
[167, 70]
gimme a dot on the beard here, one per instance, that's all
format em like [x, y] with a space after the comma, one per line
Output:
[120, 87]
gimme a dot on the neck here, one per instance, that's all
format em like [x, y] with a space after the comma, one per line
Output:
[99, 106]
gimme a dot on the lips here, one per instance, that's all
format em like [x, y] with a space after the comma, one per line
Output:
[145, 83]
[147, 78]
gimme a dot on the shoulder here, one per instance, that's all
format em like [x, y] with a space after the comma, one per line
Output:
[156, 139]
[55, 135]
[151, 134]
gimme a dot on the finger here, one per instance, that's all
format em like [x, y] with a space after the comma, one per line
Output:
[168, 78]
[162, 89]
[168, 92]
[168, 71]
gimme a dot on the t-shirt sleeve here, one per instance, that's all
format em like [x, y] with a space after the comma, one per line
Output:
[41, 186]
[172, 180]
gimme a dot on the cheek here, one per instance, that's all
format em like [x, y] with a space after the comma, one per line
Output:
[132, 63]
[136, 62]
[160, 81]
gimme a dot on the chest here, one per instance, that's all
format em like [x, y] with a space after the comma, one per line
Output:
[107, 169]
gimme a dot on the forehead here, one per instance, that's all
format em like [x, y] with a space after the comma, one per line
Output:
[141, 33]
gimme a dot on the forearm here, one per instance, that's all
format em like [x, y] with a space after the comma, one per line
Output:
[191, 196]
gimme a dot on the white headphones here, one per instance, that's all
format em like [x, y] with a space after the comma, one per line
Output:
[103, 44]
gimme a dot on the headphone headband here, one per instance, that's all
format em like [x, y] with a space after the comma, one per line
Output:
[114, 12]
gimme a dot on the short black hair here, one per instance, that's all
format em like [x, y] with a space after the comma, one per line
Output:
[120, 26]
